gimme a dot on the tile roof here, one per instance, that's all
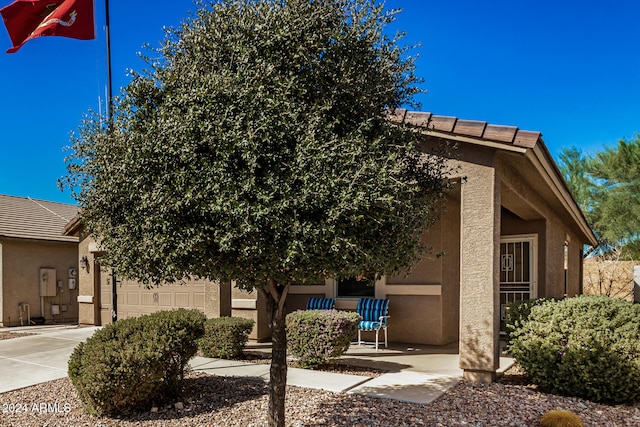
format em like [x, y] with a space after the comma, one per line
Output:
[27, 218]
[508, 135]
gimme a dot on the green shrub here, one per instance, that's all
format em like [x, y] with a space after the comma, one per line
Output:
[135, 362]
[585, 346]
[518, 312]
[319, 337]
[225, 337]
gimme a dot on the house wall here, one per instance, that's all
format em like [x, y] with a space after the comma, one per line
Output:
[21, 264]
[211, 297]
[429, 312]
[423, 302]
[574, 266]
[88, 297]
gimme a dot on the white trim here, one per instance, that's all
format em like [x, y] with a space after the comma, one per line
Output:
[307, 289]
[417, 290]
[243, 304]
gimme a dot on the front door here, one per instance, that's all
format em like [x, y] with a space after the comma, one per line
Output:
[517, 271]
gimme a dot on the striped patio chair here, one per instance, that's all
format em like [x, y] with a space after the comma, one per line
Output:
[316, 303]
[374, 313]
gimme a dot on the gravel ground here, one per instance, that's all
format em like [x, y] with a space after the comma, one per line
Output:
[6, 335]
[225, 401]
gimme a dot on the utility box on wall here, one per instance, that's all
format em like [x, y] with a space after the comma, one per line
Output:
[48, 282]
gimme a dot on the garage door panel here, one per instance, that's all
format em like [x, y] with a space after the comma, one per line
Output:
[198, 300]
[146, 299]
[164, 299]
[133, 298]
[182, 299]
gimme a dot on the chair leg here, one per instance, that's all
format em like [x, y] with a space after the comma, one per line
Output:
[359, 338]
[385, 337]
[377, 330]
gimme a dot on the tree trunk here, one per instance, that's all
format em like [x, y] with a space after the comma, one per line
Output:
[276, 295]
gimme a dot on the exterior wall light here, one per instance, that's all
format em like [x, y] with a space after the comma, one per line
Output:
[84, 262]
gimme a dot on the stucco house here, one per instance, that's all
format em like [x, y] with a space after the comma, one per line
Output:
[38, 264]
[511, 231]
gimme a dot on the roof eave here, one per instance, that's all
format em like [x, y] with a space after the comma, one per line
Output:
[73, 227]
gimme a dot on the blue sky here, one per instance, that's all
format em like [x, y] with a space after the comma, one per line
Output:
[569, 69]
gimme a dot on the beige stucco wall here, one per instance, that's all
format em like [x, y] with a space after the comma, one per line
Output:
[88, 305]
[428, 313]
[251, 305]
[21, 263]
[574, 266]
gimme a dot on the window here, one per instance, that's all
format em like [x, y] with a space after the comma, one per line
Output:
[352, 287]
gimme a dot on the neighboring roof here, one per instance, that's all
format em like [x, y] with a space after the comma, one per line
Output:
[507, 138]
[27, 218]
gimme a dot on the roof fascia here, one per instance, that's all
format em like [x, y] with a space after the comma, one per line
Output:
[73, 227]
[468, 140]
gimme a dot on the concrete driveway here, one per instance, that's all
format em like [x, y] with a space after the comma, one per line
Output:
[34, 359]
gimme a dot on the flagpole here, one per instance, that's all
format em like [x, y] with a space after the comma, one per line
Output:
[114, 288]
[109, 79]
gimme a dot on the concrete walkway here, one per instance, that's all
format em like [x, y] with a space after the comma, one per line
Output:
[35, 359]
[416, 375]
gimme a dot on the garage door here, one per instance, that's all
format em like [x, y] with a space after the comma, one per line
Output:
[135, 300]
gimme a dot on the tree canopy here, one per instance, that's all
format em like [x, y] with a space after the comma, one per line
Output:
[257, 147]
[606, 185]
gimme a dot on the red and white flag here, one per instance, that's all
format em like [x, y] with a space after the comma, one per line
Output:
[28, 19]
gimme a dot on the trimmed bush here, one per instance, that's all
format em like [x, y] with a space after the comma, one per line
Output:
[587, 347]
[320, 337]
[518, 313]
[135, 362]
[225, 337]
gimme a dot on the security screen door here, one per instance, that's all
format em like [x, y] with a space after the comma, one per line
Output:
[517, 272]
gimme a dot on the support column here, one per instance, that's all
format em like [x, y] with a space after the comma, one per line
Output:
[479, 274]
[217, 301]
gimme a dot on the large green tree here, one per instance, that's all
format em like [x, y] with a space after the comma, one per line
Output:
[606, 185]
[257, 147]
